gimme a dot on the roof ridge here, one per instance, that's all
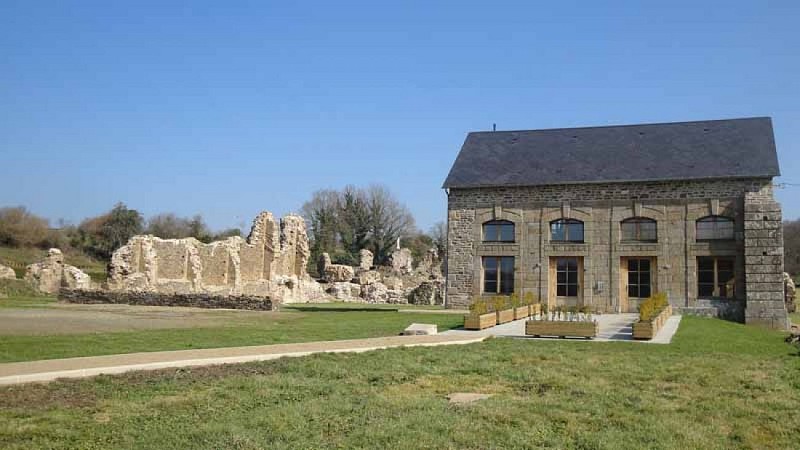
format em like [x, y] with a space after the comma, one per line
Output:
[592, 127]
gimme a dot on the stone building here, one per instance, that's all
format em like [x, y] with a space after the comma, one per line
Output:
[605, 216]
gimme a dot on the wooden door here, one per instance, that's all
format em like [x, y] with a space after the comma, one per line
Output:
[565, 281]
[637, 281]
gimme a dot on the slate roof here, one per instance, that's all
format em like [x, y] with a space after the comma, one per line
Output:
[730, 148]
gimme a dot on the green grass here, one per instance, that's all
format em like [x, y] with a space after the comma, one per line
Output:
[263, 329]
[356, 306]
[19, 292]
[795, 317]
[719, 385]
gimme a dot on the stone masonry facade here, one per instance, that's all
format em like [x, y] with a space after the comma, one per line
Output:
[756, 250]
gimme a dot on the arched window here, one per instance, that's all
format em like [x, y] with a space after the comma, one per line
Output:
[638, 229]
[566, 230]
[714, 228]
[498, 231]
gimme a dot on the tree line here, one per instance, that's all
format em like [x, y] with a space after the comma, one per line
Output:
[340, 223]
[100, 236]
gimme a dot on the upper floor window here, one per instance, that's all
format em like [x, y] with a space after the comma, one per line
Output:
[498, 231]
[714, 228]
[566, 230]
[638, 229]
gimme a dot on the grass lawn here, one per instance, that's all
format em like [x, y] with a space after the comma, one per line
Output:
[795, 318]
[719, 385]
[233, 330]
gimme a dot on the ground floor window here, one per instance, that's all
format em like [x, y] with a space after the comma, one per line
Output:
[567, 277]
[498, 274]
[715, 277]
[639, 278]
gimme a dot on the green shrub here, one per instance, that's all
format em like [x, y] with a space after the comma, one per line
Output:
[479, 306]
[514, 300]
[500, 302]
[530, 299]
[653, 306]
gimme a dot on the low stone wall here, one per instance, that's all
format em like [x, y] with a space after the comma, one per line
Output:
[732, 310]
[196, 300]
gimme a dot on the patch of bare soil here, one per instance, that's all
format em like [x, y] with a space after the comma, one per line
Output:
[78, 319]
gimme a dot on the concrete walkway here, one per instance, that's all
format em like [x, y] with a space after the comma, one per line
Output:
[51, 369]
[613, 327]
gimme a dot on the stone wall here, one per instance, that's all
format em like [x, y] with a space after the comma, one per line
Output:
[674, 205]
[763, 250]
[271, 262]
[197, 300]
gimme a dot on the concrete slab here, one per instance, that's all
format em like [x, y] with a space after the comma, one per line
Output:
[420, 329]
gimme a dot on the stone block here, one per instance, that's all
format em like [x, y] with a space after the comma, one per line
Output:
[421, 329]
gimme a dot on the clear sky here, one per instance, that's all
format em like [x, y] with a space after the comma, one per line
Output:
[226, 108]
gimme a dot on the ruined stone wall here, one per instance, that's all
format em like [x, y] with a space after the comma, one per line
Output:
[674, 205]
[271, 262]
[763, 249]
[196, 300]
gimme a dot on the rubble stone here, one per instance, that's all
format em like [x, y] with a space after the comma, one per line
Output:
[365, 259]
[7, 273]
[338, 273]
[427, 293]
[789, 293]
[46, 275]
[402, 261]
[368, 277]
[345, 291]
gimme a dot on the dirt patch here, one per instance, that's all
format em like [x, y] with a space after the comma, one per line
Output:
[46, 396]
[81, 319]
[465, 398]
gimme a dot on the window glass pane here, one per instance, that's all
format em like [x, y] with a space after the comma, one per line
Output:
[489, 232]
[572, 290]
[575, 232]
[647, 231]
[507, 274]
[628, 230]
[705, 230]
[561, 264]
[490, 274]
[561, 290]
[644, 291]
[705, 264]
[724, 229]
[705, 290]
[633, 278]
[507, 233]
[572, 264]
[705, 276]
[633, 265]
[644, 278]
[557, 231]
[572, 277]
[561, 277]
[633, 291]
[644, 265]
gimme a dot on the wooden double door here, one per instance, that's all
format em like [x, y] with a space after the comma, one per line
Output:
[637, 281]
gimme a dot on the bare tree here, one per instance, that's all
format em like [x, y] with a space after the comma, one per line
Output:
[19, 227]
[389, 220]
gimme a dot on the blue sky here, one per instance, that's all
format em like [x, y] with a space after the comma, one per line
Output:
[228, 108]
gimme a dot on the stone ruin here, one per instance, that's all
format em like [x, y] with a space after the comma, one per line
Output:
[7, 273]
[398, 282]
[51, 274]
[789, 293]
[270, 263]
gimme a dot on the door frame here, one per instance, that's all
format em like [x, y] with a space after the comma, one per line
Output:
[552, 298]
[624, 301]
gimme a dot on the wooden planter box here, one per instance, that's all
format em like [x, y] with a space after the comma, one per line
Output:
[536, 308]
[561, 328]
[506, 315]
[479, 322]
[648, 330]
[521, 312]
